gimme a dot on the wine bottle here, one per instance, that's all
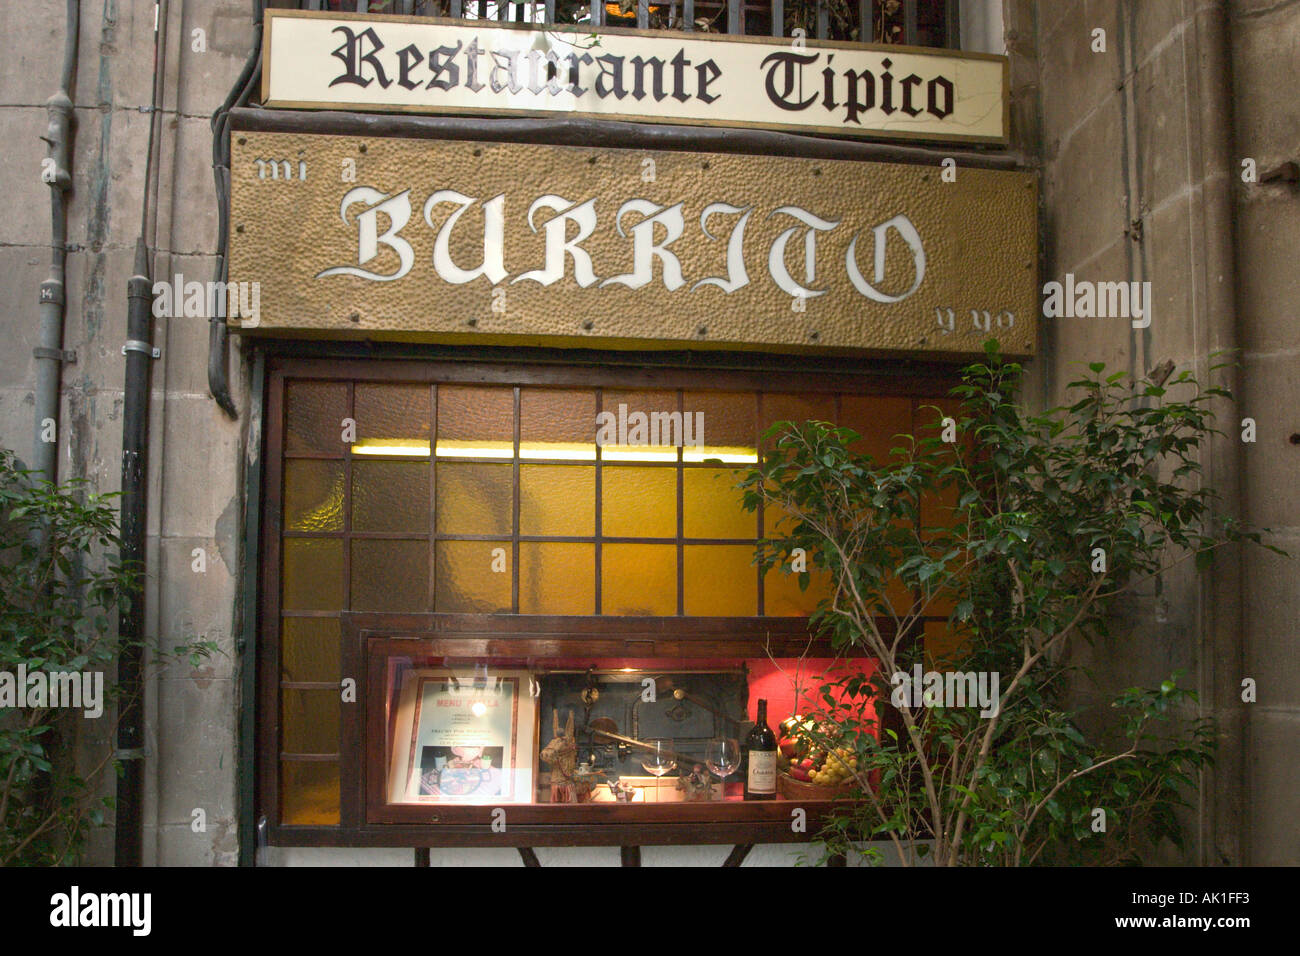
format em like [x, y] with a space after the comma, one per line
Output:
[760, 749]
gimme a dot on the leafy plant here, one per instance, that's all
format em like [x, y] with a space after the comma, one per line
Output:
[1018, 534]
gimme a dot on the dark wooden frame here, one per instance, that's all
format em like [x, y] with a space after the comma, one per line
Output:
[364, 821]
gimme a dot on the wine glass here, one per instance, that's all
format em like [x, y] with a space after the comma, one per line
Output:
[659, 759]
[723, 757]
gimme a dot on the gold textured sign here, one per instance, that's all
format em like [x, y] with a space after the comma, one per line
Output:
[424, 65]
[500, 242]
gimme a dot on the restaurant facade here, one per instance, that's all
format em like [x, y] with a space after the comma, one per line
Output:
[452, 326]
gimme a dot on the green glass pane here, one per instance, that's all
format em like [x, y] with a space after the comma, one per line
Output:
[474, 577]
[309, 648]
[638, 502]
[390, 575]
[557, 500]
[313, 495]
[720, 580]
[474, 499]
[309, 721]
[309, 793]
[313, 574]
[390, 496]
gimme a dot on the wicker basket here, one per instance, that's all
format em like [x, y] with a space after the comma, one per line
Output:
[788, 788]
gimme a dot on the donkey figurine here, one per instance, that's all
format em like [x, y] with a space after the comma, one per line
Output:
[561, 754]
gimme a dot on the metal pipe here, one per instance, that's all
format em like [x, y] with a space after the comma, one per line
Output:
[218, 332]
[139, 351]
[49, 351]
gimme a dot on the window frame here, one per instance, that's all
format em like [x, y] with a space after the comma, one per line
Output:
[368, 636]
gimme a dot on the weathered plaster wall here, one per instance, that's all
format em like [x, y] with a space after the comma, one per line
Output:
[1141, 182]
[195, 451]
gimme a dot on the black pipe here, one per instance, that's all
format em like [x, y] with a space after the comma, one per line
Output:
[218, 333]
[130, 665]
[128, 826]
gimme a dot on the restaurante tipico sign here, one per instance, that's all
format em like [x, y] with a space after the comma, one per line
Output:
[503, 242]
[424, 65]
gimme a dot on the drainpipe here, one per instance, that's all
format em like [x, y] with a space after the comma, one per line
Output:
[218, 332]
[49, 352]
[140, 354]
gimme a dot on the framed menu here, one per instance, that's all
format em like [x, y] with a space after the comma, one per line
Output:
[464, 738]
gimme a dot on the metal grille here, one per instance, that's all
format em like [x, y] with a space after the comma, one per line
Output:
[929, 23]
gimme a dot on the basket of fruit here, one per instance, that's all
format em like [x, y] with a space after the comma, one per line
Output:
[807, 772]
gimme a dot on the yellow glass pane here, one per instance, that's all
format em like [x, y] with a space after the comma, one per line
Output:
[389, 575]
[720, 580]
[711, 505]
[638, 502]
[392, 412]
[782, 596]
[557, 423]
[557, 578]
[309, 793]
[309, 649]
[313, 417]
[557, 500]
[476, 422]
[473, 577]
[474, 499]
[309, 721]
[639, 579]
[313, 495]
[390, 496]
[313, 574]
[641, 426]
[727, 426]
[883, 423]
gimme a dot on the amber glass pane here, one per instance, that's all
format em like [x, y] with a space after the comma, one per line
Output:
[471, 578]
[309, 793]
[883, 423]
[392, 412]
[711, 506]
[777, 521]
[782, 596]
[638, 502]
[310, 649]
[720, 580]
[313, 418]
[476, 421]
[309, 721]
[945, 646]
[474, 499]
[729, 426]
[313, 574]
[557, 500]
[390, 496]
[390, 575]
[313, 495]
[557, 423]
[639, 579]
[640, 426]
[557, 578]
[796, 408]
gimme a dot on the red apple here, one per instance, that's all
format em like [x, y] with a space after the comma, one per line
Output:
[799, 773]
